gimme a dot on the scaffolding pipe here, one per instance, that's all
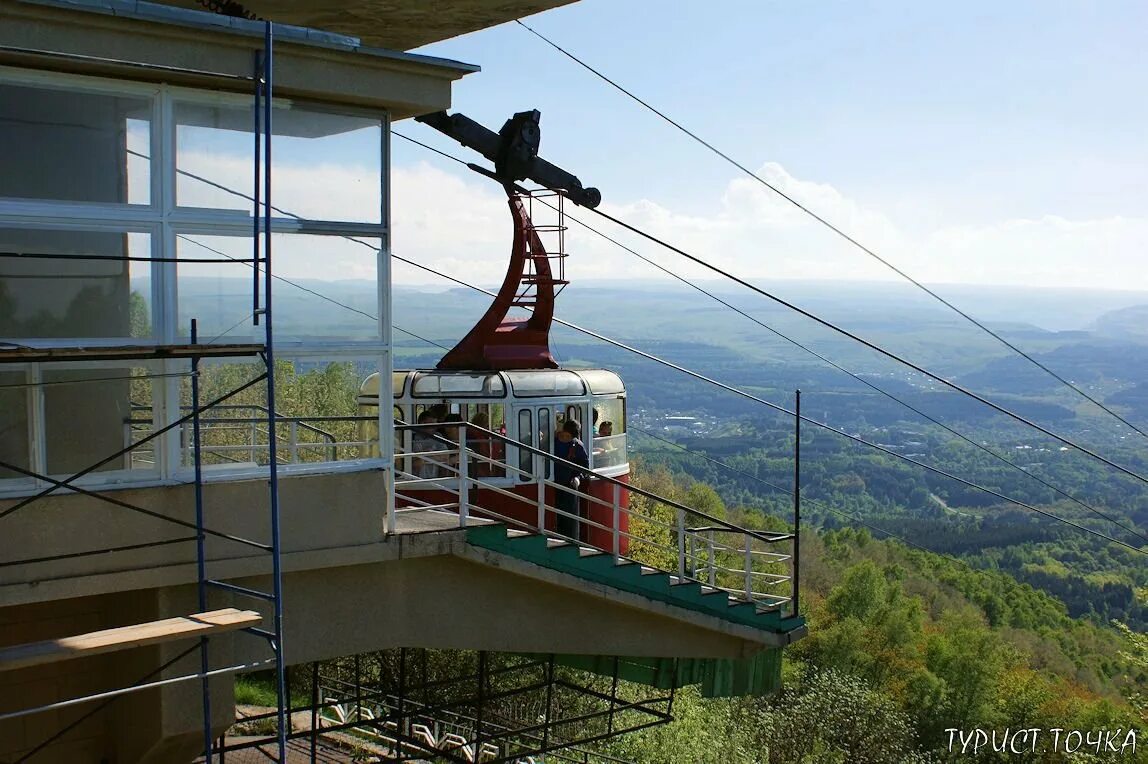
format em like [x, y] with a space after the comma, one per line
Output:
[200, 537]
[269, 356]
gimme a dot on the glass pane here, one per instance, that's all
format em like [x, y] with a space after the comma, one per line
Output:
[324, 166]
[74, 284]
[324, 286]
[14, 435]
[545, 436]
[91, 413]
[217, 294]
[609, 416]
[74, 146]
[525, 435]
[317, 410]
[602, 381]
[318, 416]
[233, 433]
[434, 385]
[545, 382]
[609, 452]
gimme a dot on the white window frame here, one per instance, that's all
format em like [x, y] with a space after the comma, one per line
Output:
[164, 221]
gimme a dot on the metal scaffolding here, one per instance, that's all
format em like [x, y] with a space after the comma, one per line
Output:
[411, 704]
[204, 623]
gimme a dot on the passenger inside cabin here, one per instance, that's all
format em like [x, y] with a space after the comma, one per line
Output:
[568, 446]
[424, 442]
[450, 431]
[480, 443]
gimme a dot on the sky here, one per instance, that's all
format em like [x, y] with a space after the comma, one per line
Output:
[974, 143]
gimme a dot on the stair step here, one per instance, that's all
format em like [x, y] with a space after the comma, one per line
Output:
[630, 575]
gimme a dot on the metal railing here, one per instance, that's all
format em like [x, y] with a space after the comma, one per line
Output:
[236, 439]
[653, 530]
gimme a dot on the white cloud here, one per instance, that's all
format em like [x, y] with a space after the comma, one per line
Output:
[758, 235]
[460, 224]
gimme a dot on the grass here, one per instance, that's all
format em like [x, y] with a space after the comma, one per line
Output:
[258, 689]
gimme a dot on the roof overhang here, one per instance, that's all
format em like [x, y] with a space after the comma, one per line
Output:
[396, 24]
[161, 43]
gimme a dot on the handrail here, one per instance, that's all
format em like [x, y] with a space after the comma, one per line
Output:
[767, 539]
[701, 557]
[300, 421]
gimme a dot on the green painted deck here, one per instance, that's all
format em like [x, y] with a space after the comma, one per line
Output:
[756, 675]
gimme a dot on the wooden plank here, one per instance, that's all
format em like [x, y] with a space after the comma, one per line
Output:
[24, 354]
[125, 637]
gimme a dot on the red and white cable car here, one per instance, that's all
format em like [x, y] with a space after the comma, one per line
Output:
[502, 376]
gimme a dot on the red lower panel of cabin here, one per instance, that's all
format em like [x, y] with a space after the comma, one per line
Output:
[524, 511]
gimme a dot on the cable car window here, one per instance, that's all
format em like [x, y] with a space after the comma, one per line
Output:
[543, 383]
[525, 435]
[436, 385]
[545, 438]
[610, 416]
[369, 390]
[367, 430]
[487, 448]
[609, 438]
[602, 381]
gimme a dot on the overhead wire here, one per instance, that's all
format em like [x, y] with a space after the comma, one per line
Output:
[815, 502]
[875, 347]
[857, 377]
[742, 393]
[839, 232]
[787, 412]
[320, 295]
[835, 365]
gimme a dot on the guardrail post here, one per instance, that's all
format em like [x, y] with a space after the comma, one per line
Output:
[389, 479]
[796, 587]
[681, 543]
[463, 477]
[617, 538]
[748, 568]
[542, 504]
[293, 434]
[713, 560]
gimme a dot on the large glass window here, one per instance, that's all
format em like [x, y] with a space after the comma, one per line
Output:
[105, 240]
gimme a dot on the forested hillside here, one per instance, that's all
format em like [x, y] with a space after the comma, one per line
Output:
[903, 646]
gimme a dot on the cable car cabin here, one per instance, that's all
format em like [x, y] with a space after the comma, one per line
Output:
[526, 406]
